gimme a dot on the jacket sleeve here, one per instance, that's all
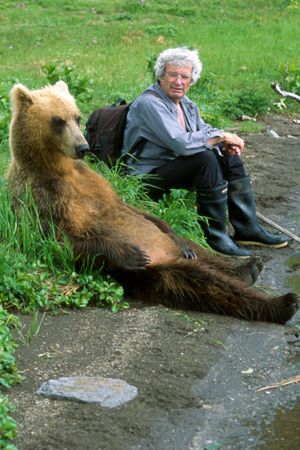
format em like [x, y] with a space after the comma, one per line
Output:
[160, 125]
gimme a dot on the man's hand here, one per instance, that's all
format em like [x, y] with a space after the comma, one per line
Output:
[233, 144]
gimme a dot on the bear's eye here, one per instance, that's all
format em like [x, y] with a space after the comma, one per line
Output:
[78, 120]
[58, 123]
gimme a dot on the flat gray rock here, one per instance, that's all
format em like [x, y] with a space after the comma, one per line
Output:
[108, 392]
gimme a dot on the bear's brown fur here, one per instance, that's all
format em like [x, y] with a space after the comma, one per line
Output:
[142, 252]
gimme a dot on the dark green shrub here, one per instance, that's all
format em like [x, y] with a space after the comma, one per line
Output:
[4, 111]
[248, 102]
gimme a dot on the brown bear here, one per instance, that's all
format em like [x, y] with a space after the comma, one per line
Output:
[142, 252]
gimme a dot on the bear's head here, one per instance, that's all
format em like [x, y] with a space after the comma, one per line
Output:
[45, 125]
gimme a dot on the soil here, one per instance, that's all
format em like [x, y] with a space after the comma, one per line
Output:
[197, 375]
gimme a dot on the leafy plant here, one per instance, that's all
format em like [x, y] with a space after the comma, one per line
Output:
[291, 78]
[8, 377]
[29, 286]
[99, 290]
[81, 86]
[8, 371]
[7, 424]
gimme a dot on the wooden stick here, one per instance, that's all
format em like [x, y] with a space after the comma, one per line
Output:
[278, 227]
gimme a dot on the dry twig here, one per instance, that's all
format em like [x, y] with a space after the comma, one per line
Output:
[295, 379]
[279, 91]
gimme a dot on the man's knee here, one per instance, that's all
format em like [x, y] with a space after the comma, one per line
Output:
[206, 160]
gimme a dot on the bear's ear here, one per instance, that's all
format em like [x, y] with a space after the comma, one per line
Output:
[61, 86]
[21, 96]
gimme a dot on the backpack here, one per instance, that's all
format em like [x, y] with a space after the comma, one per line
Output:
[104, 131]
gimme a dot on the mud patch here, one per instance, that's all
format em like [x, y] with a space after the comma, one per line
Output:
[159, 351]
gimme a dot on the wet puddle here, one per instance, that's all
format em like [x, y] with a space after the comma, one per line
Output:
[293, 264]
[283, 433]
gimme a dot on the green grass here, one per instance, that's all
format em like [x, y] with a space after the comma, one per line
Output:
[243, 44]
[105, 50]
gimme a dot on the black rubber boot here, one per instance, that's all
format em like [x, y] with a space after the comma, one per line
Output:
[212, 203]
[242, 216]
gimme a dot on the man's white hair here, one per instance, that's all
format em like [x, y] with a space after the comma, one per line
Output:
[179, 57]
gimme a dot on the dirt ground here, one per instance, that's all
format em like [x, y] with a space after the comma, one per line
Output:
[197, 375]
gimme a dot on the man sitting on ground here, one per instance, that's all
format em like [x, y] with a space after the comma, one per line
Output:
[167, 141]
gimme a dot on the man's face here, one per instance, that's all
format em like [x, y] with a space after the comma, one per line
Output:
[176, 81]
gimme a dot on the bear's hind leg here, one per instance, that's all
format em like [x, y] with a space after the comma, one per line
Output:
[197, 286]
[248, 271]
[284, 307]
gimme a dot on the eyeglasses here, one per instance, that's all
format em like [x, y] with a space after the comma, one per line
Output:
[174, 76]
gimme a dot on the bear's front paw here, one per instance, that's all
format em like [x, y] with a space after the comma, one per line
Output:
[187, 253]
[135, 259]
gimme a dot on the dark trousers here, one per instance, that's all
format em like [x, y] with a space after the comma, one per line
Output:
[205, 170]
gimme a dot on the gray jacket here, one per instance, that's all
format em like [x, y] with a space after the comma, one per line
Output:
[153, 135]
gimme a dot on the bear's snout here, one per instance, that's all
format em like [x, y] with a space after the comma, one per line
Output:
[81, 150]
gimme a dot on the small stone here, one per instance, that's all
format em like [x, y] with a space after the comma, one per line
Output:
[247, 371]
[245, 117]
[273, 134]
[108, 392]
